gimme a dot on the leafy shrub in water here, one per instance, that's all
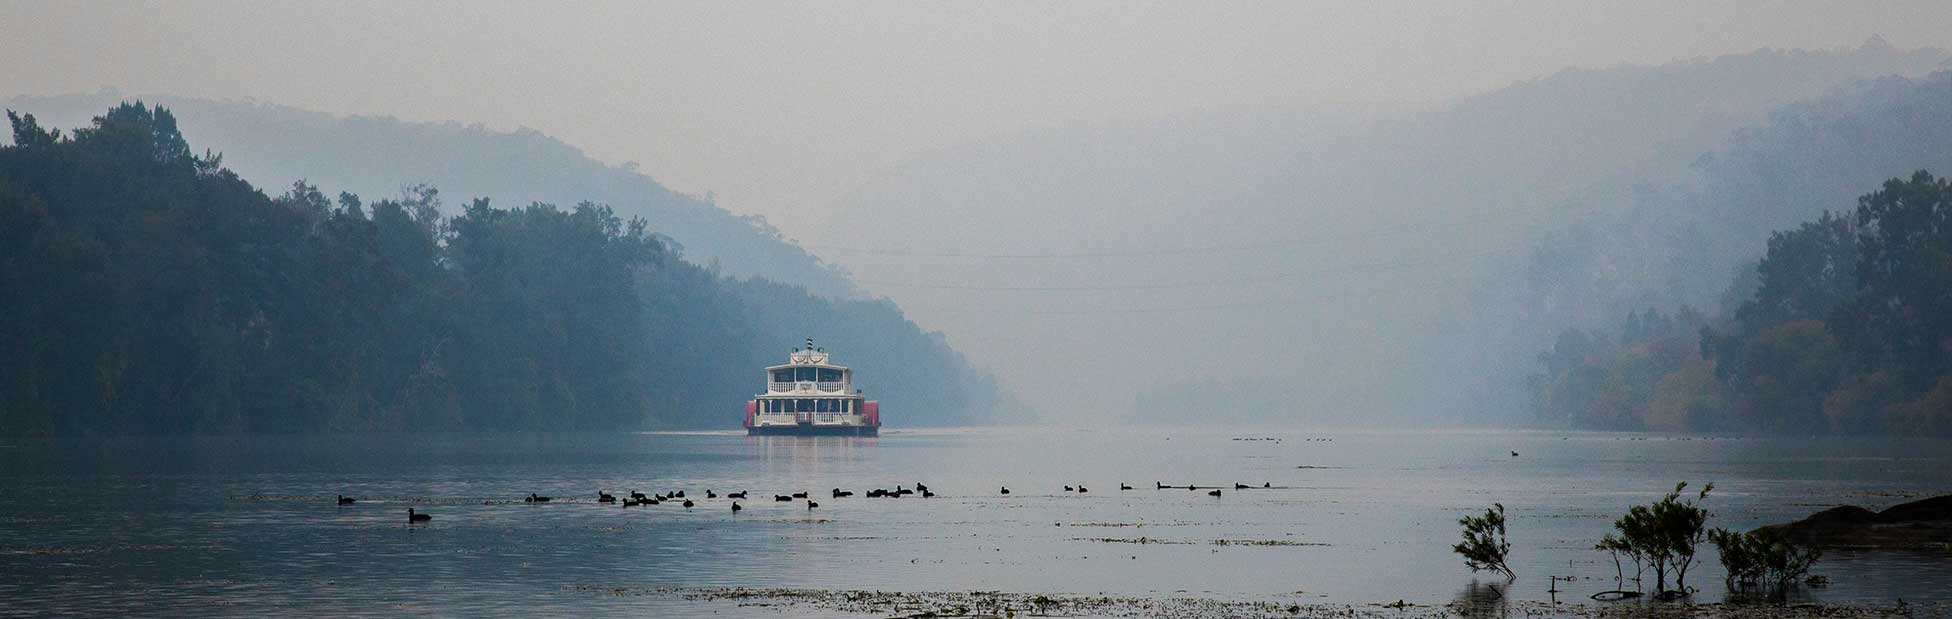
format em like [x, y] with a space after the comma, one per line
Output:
[1762, 557]
[1484, 546]
[1664, 535]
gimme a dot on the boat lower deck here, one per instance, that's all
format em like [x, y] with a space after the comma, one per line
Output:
[812, 430]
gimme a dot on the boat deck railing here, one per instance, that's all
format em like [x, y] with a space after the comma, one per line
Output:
[788, 387]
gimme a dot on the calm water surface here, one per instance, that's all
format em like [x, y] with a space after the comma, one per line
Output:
[248, 526]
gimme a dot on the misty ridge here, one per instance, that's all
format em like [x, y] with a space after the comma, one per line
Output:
[154, 291]
[1382, 266]
[1409, 265]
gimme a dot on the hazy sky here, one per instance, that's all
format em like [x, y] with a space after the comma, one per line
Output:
[782, 108]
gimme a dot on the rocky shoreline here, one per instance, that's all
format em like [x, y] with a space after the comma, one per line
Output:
[1922, 524]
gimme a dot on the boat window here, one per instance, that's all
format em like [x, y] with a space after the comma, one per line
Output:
[846, 406]
[806, 406]
[803, 374]
[782, 376]
[826, 406]
[828, 375]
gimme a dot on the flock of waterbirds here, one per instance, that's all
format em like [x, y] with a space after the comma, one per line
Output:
[636, 498]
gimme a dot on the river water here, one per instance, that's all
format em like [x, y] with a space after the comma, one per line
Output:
[245, 527]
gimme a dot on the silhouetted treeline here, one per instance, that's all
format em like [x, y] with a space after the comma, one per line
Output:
[147, 289]
[1848, 330]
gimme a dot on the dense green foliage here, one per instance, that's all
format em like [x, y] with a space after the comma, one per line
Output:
[1762, 558]
[1664, 534]
[1484, 546]
[269, 144]
[1848, 330]
[150, 290]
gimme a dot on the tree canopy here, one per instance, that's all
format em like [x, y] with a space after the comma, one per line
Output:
[148, 289]
[1849, 330]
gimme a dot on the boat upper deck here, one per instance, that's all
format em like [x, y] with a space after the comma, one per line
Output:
[809, 371]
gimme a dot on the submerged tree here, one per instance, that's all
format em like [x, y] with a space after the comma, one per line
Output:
[1484, 546]
[1617, 547]
[1762, 558]
[1665, 535]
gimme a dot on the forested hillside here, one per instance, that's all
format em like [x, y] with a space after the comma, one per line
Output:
[148, 289]
[1776, 355]
[1848, 330]
[1399, 264]
[270, 145]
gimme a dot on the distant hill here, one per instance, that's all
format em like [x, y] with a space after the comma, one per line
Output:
[272, 145]
[1400, 263]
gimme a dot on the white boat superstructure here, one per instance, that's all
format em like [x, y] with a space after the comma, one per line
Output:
[809, 394]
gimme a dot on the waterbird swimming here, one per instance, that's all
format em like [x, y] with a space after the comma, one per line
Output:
[782, 497]
[1215, 492]
[709, 495]
[1240, 486]
[1082, 489]
[679, 494]
[688, 503]
[901, 491]
[799, 495]
[838, 493]
[1122, 486]
[1006, 489]
[736, 495]
[637, 495]
[927, 493]
[920, 487]
[1070, 489]
[736, 508]
[604, 497]
[811, 505]
[535, 499]
[345, 500]
[1514, 454]
[413, 517]
[1162, 485]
